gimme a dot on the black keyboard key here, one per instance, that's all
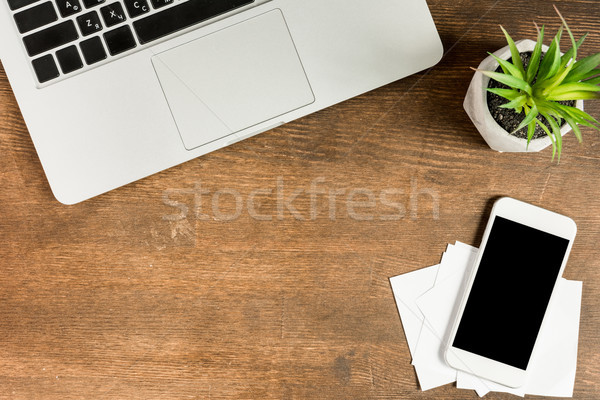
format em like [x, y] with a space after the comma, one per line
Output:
[35, 17]
[68, 7]
[16, 4]
[93, 50]
[50, 38]
[92, 3]
[182, 16]
[45, 68]
[69, 59]
[160, 3]
[89, 23]
[113, 14]
[119, 40]
[135, 8]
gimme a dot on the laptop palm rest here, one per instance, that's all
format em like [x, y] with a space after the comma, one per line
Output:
[233, 79]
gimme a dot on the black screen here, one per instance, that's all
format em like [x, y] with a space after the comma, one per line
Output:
[510, 293]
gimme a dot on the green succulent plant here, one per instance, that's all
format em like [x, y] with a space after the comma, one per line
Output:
[537, 89]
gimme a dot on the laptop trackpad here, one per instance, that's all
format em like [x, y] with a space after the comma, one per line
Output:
[233, 79]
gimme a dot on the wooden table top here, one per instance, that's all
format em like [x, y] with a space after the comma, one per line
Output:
[173, 287]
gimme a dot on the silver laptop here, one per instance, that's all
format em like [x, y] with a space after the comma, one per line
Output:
[116, 90]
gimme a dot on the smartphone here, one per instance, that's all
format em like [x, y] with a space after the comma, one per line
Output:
[522, 255]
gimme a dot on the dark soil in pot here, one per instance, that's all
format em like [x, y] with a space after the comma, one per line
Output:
[508, 119]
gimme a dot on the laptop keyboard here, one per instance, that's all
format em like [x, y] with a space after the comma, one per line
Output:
[62, 37]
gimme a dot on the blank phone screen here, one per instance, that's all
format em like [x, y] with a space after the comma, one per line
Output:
[510, 293]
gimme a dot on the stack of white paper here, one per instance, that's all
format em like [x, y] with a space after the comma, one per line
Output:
[426, 300]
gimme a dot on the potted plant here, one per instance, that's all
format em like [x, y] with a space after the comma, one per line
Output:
[525, 96]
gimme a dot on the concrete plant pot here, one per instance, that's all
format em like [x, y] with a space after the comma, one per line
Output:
[476, 106]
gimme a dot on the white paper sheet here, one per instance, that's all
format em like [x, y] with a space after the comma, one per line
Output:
[406, 290]
[428, 354]
[427, 300]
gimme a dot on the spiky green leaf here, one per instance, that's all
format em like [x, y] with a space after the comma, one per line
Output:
[572, 87]
[579, 95]
[514, 52]
[509, 80]
[573, 124]
[508, 94]
[581, 117]
[508, 68]
[516, 104]
[534, 62]
[555, 133]
[594, 81]
[565, 67]
[573, 42]
[551, 61]
[569, 54]
[530, 131]
[553, 82]
[550, 135]
[530, 115]
[563, 71]
[591, 74]
[545, 128]
[582, 67]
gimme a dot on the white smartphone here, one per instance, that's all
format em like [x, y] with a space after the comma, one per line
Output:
[522, 255]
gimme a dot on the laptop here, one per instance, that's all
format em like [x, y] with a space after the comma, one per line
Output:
[115, 90]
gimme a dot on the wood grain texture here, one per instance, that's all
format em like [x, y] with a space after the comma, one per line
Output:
[157, 291]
